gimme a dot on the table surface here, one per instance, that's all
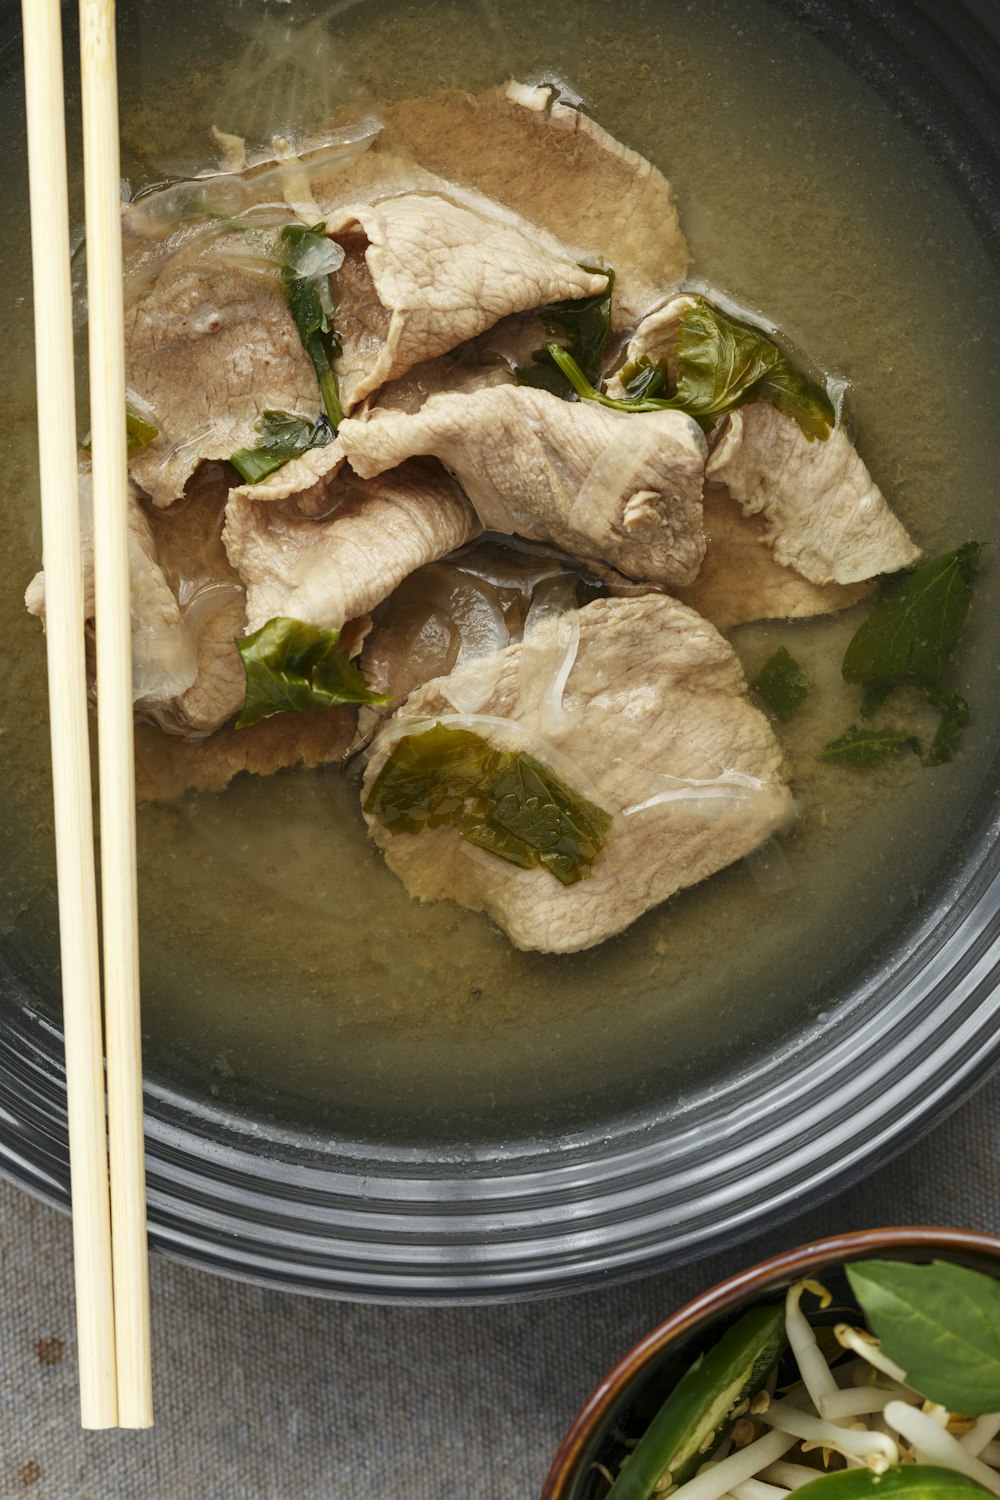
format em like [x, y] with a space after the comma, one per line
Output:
[262, 1394]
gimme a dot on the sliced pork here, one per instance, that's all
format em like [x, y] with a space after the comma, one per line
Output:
[423, 274]
[332, 570]
[210, 346]
[823, 513]
[598, 484]
[164, 645]
[167, 766]
[742, 580]
[653, 725]
[554, 165]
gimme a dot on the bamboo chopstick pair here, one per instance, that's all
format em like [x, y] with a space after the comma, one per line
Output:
[109, 1229]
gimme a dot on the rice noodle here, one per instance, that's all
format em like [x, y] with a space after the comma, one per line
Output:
[482, 631]
[733, 786]
[549, 651]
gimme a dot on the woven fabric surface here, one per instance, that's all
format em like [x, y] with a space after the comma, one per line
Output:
[262, 1396]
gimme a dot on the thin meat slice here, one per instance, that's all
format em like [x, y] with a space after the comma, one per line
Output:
[598, 484]
[551, 163]
[335, 569]
[423, 274]
[741, 580]
[167, 766]
[164, 642]
[823, 514]
[210, 346]
[306, 480]
[654, 726]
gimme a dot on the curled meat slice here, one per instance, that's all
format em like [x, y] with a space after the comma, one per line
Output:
[823, 513]
[742, 580]
[598, 484]
[423, 274]
[550, 162]
[332, 570]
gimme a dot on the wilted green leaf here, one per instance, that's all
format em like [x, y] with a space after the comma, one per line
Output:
[782, 684]
[504, 801]
[283, 436]
[291, 666]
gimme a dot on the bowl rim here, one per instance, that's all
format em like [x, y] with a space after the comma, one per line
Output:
[785, 1266]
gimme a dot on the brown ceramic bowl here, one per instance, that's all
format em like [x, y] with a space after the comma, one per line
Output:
[638, 1384]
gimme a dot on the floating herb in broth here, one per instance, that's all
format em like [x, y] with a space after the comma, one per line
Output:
[367, 994]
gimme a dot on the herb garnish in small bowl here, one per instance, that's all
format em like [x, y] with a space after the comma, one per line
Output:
[846, 1372]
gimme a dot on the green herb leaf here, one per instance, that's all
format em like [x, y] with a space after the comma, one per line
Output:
[721, 364]
[782, 684]
[284, 436]
[901, 1482]
[861, 745]
[310, 301]
[913, 629]
[941, 1324]
[291, 666]
[642, 378]
[954, 717]
[504, 801]
[138, 432]
[583, 324]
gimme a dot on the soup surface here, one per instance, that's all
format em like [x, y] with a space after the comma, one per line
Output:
[285, 971]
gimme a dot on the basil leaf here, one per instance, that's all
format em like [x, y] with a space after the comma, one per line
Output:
[583, 324]
[782, 684]
[642, 378]
[901, 1482]
[861, 745]
[954, 717]
[504, 801]
[941, 1324]
[138, 432]
[284, 436]
[310, 302]
[721, 364]
[913, 629]
[291, 665]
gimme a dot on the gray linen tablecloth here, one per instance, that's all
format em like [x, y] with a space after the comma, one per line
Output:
[262, 1396]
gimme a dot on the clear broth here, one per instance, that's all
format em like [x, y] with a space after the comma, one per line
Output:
[285, 971]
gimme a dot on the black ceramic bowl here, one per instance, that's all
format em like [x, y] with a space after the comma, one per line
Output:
[895, 1038]
[640, 1382]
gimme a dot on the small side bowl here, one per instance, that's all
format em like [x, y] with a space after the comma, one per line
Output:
[638, 1384]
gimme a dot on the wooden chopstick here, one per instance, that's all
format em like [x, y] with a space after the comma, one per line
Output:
[57, 456]
[119, 899]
